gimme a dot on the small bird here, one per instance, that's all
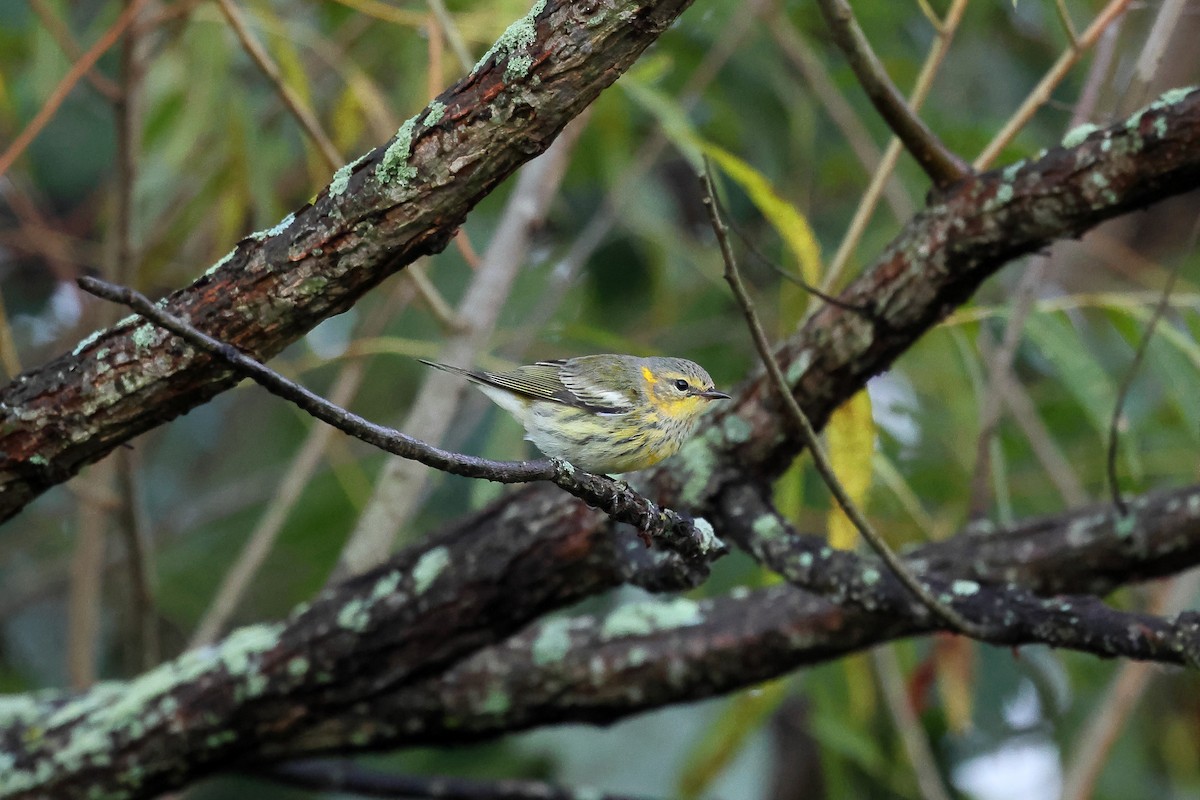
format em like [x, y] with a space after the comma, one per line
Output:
[602, 413]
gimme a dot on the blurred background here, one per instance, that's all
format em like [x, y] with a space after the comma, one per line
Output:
[189, 133]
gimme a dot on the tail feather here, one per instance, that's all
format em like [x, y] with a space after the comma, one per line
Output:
[510, 401]
[466, 373]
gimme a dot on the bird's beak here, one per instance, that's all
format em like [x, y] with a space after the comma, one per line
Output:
[713, 394]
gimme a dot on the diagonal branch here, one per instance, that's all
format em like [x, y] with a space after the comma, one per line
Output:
[302, 687]
[402, 200]
[694, 539]
[938, 161]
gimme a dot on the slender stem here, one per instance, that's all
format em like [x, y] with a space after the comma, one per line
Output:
[808, 434]
[941, 164]
[614, 498]
[870, 198]
[1114, 423]
[56, 98]
[1041, 93]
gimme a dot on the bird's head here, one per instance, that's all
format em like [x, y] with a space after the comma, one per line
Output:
[678, 388]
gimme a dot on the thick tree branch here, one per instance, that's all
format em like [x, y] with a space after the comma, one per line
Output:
[221, 706]
[400, 201]
[367, 665]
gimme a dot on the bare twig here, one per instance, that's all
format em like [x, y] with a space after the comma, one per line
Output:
[907, 724]
[294, 103]
[77, 71]
[311, 126]
[833, 103]
[1041, 93]
[291, 485]
[84, 603]
[453, 35]
[131, 522]
[1114, 424]
[937, 160]
[691, 539]
[1000, 358]
[808, 434]
[870, 198]
[1064, 16]
[61, 34]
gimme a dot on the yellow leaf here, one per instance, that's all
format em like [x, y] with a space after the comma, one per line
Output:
[787, 220]
[784, 217]
[850, 437]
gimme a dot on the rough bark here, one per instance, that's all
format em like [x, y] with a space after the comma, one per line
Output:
[402, 200]
[418, 652]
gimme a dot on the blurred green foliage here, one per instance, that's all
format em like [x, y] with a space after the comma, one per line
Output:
[219, 156]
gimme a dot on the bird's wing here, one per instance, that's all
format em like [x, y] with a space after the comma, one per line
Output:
[538, 381]
[597, 388]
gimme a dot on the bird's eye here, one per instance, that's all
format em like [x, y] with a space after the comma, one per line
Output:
[681, 385]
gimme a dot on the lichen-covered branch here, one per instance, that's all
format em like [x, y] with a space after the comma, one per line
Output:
[589, 669]
[220, 706]
[402, 200]
[376, 662]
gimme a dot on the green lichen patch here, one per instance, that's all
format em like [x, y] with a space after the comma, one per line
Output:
[277, 229]
[434, 115]
[88, 340]
[513, 44]
[736, 429]
[642, 619]
[1078, 134]
[394, 165]
[222, 262]
[699, 460]
[496, 702]
[144, 336]
[964, 588]
[428, 567]
[553, 642]
[706, 538]
[767, 528]
[354, 616]
[341, 179]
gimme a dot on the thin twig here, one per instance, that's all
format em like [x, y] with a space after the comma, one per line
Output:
[797, 51]
[1041, 93]
[452, 33]
[84, 595]
[941, 164]
[791, 277]
[131, 523]
[595, 233]
[1000, 360]
[311, 126]
[61, 34]
[808, 434]
[907, 724]
[870, 198]
[614, 498]
[77, 71]
[292, 101]
[1064, 16]
[291, 486]
[1114, 422]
